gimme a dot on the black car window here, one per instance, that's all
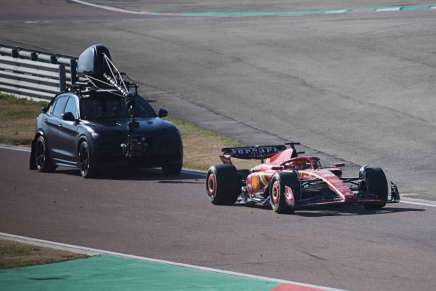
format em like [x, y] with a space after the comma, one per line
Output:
[143, 108]
[50, 109]
[112, 106]
[58, 109]
[72, 107]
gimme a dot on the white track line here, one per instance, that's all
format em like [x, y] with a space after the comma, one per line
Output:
[338, 11]
[388, 9]
[114, 9]
[421, 202]
[14, 148]
[93, 251]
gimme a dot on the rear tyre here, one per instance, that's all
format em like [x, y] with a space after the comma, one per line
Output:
[375, 182]
[87, 165]
[42, 160]
[223, 184]
[284, 192]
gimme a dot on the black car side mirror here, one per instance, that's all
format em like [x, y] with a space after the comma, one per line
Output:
[162, 113]
[68, 116]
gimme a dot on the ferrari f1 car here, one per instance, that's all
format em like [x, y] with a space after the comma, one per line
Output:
[286, 181]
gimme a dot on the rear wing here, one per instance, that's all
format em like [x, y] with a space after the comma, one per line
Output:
[253, 152]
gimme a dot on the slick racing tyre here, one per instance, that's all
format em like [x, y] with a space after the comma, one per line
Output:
[86, 163]
[375, 182]
[284, 192]
[42, 159]
[223, 184]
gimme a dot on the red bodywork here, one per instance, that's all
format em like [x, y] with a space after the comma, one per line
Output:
[286, 181]
[308, 169]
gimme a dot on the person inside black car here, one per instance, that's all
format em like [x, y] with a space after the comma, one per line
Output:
[112, 106]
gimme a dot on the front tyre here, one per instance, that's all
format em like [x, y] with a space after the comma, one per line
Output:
[87, 165]
[42, 160]
[223, 184]
[375, 182]
[284, 192]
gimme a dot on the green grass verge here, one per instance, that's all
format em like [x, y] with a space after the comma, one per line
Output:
[201, 147]
[14, 254]
[17, 119]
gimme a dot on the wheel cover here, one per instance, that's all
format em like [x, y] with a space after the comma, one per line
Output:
[275, 193]
[40, 154]
[211, 185]
[289, 196]
[84, 161]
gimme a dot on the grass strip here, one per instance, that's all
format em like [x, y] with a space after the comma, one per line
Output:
[14, 254]
[17, 119]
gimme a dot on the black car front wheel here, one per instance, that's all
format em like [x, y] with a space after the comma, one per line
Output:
[86, 163]
[42, 160]
[172, 169]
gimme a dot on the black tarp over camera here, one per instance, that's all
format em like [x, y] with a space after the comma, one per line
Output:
[92, 61]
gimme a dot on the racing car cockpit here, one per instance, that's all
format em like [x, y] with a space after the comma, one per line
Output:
[303, 163]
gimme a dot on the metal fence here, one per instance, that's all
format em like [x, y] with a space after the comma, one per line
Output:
[30, 73]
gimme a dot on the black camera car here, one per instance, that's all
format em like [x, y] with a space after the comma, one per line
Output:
[102, 122]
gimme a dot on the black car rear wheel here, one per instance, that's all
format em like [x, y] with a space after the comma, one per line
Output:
[284, 192]
[42, 160]
[87, 166]
[223, 184]
[375, 182]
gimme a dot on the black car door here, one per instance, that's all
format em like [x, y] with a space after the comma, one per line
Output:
[53, 123]
[69, 131]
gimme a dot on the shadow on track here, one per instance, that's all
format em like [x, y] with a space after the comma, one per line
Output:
[353, 210]
[185, 177]
[341, 210]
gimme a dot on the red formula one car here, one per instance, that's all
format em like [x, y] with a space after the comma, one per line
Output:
[287, 181]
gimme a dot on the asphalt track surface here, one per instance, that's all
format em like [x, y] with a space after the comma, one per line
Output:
[150, 215]
[357, 87]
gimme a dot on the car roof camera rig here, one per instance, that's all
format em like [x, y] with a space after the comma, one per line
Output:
[98, 74]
